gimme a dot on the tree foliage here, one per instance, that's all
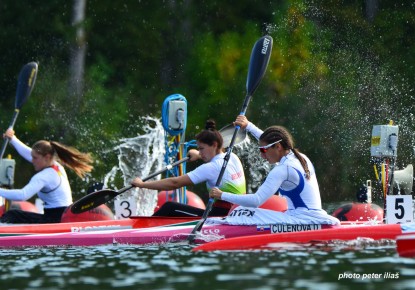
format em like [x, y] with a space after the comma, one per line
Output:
[332, 76]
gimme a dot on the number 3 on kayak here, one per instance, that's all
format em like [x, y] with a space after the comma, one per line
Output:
[124, 208]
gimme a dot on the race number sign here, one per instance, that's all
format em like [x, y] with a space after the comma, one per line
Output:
[124, 208]
[399, 209]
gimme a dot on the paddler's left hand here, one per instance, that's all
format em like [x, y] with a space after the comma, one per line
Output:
[193, 154]
[137, 182]
[9, 133]
[215, 193]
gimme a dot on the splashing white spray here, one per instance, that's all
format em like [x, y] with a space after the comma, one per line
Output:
[254, 166]
[144, 154]
[140, 156]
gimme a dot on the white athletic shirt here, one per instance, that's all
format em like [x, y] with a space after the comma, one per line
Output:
[233, 179]
[288, 178]
[51, 185]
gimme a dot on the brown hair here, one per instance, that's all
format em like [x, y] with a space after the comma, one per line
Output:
[275, 133]
[79, 162]
[210, 134]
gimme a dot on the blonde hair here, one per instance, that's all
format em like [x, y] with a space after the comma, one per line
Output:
[77, 161]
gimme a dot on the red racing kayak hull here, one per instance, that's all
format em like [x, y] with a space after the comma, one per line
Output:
[270, 241]
[405, 245]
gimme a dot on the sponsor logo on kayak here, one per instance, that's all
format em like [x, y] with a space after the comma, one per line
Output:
[265, 46]
[277, 229]
[242, 212]
[98, 228]
[211, 232]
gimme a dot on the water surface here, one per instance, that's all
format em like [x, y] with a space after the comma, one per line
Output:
[360, 264]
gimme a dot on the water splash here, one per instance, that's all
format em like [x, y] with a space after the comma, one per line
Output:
[139, 156]
[348, 86]
[256, 168]
[144, 154]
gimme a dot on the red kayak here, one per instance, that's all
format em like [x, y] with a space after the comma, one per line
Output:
[405, 245]
[131, 223]
[272, 241]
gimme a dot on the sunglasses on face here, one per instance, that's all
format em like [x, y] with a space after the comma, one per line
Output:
[265, 148]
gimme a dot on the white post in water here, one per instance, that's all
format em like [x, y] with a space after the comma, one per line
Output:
[369, 190]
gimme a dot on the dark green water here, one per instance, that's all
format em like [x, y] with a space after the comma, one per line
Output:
[175, 266]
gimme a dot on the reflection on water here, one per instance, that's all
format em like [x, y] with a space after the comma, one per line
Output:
[175, 266]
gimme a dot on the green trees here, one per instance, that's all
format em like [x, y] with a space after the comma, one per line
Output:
[332, 76]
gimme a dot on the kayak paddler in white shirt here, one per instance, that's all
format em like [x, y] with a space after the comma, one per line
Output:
[210, 151]
[293, 176]
[50, 182]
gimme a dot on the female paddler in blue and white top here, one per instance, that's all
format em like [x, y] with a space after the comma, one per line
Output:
[50, 182]
[209, 143]
[293, 176]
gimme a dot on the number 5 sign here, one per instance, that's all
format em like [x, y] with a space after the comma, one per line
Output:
[399, 209]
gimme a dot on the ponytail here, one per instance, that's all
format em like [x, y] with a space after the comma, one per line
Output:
[77, 161]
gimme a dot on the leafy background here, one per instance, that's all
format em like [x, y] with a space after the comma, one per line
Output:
[336, 70]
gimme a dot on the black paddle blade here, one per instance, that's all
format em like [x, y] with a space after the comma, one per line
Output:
[97, 198]
[260, 56]
[25, 83]
[258, 63]
[93, 200]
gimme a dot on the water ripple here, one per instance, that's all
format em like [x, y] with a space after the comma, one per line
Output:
[175, 266]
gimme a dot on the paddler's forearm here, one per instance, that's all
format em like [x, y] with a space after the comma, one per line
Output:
[164, 184]
[254, 130]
